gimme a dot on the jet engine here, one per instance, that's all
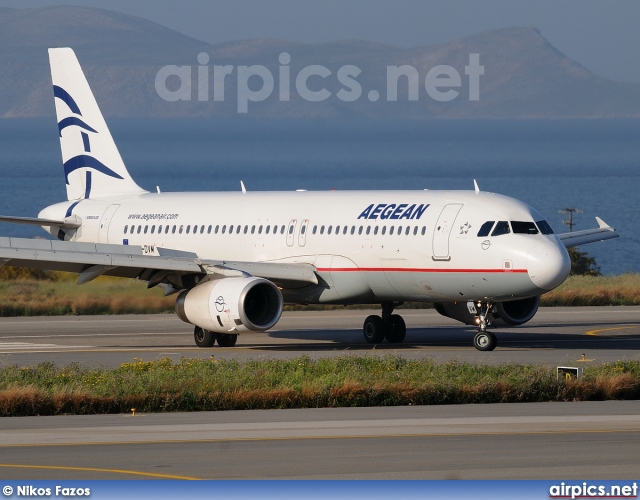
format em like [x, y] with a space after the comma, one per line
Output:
[231, 305]
[512, 313]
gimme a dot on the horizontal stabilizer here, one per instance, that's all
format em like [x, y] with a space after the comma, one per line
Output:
[603, 232]
[72, 222]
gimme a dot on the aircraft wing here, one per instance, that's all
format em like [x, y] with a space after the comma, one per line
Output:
[603, 232]
[91, 260]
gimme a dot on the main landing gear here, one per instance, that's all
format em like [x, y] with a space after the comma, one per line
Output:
[205, 338]
[390, 326]
[484, 340]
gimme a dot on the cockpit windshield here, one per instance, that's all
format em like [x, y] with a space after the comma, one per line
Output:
[520, 227]
[515, 227]
[544, 227]
[502, 227]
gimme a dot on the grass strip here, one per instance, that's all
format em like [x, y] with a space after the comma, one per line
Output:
[206, 385]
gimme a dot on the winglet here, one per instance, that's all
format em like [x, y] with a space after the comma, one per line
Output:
[244, 189]
[602, 224]
[475, 185]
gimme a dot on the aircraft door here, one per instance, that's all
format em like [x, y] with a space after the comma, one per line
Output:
[302, 238]
[442, 231]
[291, 230]
[105, 222]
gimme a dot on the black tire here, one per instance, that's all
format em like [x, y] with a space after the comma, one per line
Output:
[204, 338]
[396, 329]
[227, 339]
[374, 329]
[485, 341]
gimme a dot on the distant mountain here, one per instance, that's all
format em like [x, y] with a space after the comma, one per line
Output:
[524, 76]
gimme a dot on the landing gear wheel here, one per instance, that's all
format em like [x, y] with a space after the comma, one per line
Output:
[227, 339]
[374, 329]
[396, 329]
[485, 341]
[204, 338]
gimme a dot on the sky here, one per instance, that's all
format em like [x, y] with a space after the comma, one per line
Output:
[601, 35]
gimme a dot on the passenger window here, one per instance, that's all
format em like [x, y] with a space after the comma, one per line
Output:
[224, 229]
[344, 230]
[485, 229]
[321, 229]
[520, 227]
[267, 229]
[173, 231]
[260, 230]
[282, 229]
[375, 230]
[231, 229]
[368, 230]
[544, 227]
[353, 229]
[209, 230]
[253, 229]
[337, 229]
[360, 230]
[390, 230]
[215, 231]
[384, 230]
[303, 230]
[424, 230]
[188, 229]
[246, 228]
[329, 230]
[502, 227]
[238, 229]
[125, 229]
[315, 228]
[153, 229]
[406, 231]
[415, 230]
[139, 229]
[202, 229]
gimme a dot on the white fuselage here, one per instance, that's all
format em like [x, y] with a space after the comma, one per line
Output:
[367, 246]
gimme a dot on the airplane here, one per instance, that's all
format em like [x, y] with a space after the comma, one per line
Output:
[235, 258]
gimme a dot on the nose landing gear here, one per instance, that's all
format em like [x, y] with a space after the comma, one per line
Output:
[484, 340]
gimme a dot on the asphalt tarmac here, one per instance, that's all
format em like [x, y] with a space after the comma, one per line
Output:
[562, 441]
[555, 336]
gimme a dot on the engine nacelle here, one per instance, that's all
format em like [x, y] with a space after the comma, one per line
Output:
[231, 304]
[512, 313]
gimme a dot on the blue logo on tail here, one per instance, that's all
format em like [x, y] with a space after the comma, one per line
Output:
[80, 161]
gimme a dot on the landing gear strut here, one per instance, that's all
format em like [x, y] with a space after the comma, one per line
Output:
[388, 326]
[484, 340]
[206, 338]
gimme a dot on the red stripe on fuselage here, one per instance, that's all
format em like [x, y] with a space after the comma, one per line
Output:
[414, 270]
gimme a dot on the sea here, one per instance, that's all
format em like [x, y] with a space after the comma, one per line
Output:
[589, 165]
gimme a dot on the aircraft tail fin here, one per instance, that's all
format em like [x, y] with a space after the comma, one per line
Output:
[93, 167]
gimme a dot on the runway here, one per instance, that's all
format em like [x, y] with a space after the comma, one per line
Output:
[517, 441]
[555, 336]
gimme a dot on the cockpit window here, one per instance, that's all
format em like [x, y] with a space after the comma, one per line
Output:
[520, 227]
[544, 227]
[502, 227]
[486, 228]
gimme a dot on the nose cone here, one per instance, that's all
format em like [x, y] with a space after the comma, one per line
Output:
[548, 265]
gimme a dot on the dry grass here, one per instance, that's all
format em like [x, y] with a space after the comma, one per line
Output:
[596, 291]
